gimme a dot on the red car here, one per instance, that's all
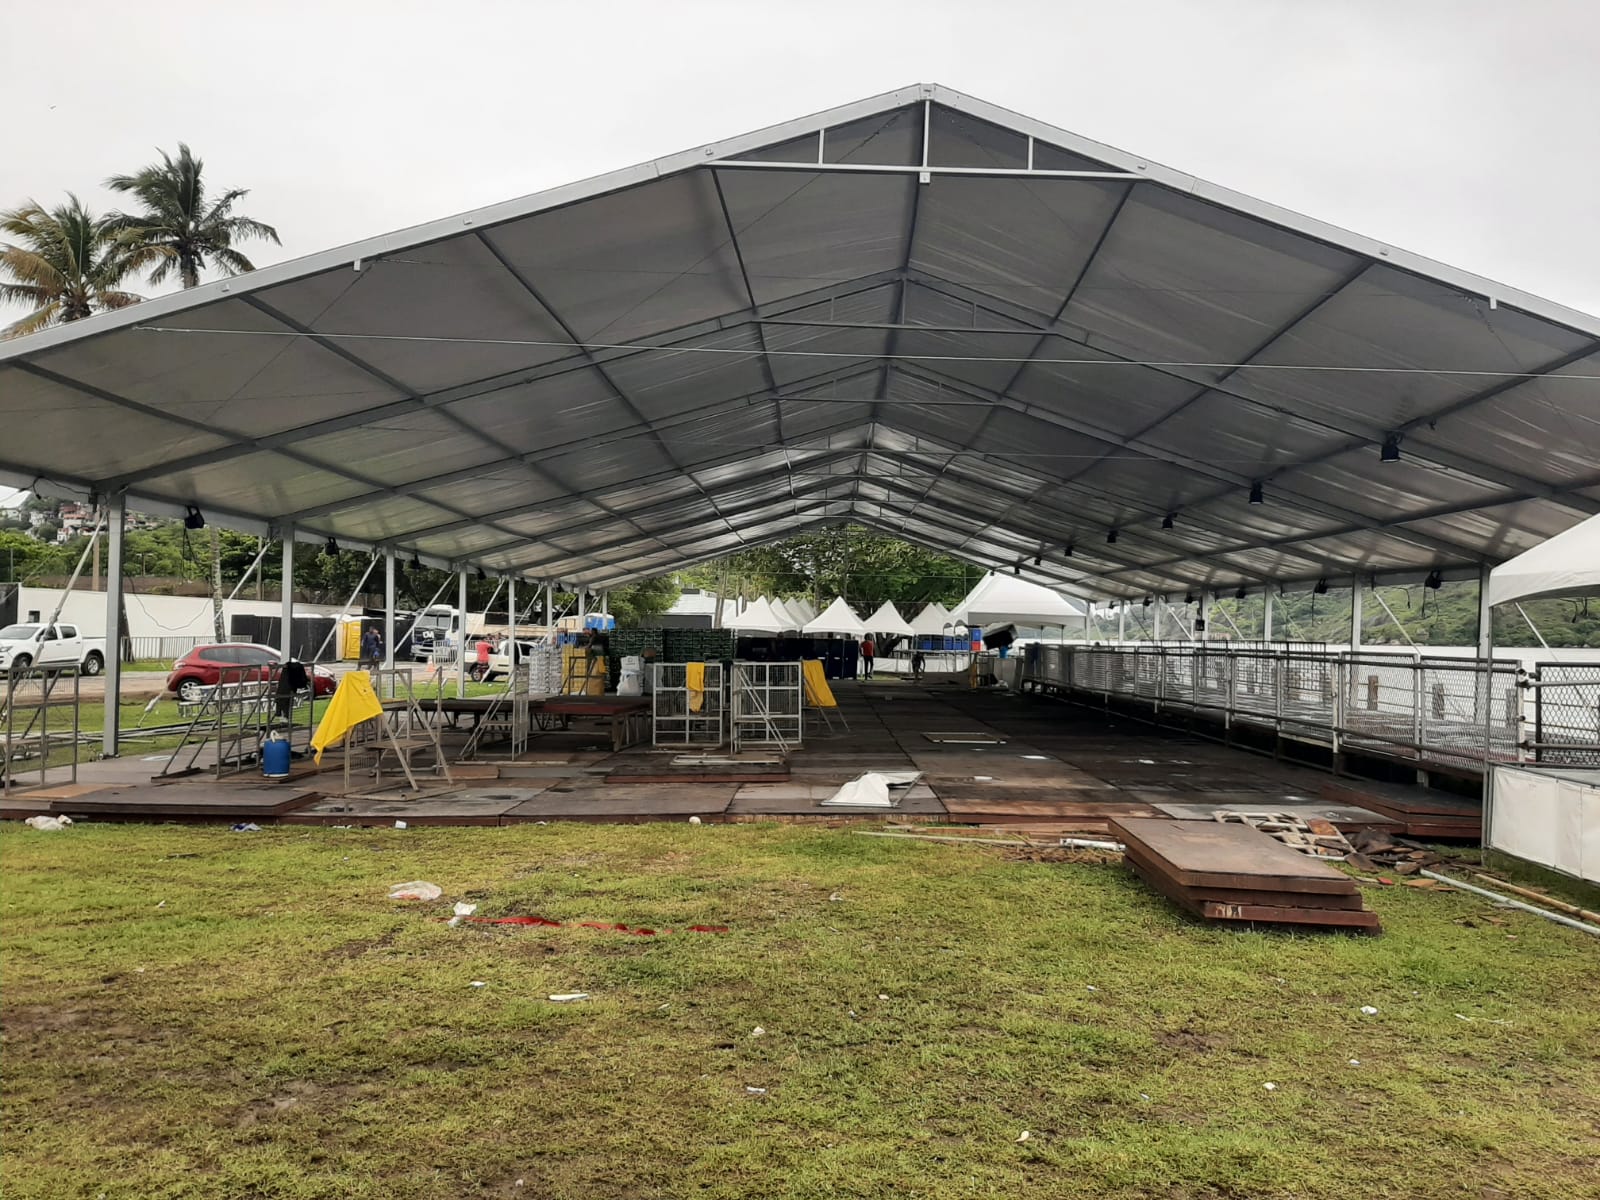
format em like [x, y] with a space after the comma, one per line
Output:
[203, 667]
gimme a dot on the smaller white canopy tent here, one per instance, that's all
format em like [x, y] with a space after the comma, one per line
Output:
[932, 621]
[787, 617]
[757, 618]
[1008, 600]
[838, 617]
[888, 620]
[1567, 565]
[802, 609]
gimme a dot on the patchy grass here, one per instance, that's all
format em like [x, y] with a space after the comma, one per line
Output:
[194, 1013]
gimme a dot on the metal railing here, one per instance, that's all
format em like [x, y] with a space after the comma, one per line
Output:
[1566, 714]
[1430, 711]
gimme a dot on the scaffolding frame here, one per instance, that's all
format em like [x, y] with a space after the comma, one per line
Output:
[672, 721]
[237, 714]
[767, 705]
[33, 690]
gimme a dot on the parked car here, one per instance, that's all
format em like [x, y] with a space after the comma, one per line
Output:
[42, 645]
[204, 666]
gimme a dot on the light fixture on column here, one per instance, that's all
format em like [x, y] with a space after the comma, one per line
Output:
[331, 548]
[1067, 551]
[1321, 589]
[1111, 537]
[1391, 447]
[481, 575]
[1188, 597]
[416, 561]
[1257, 494]
[1434, 581]
[1239, 595]
[1147, 602]
[193, 518]
[1038, 559]
[1167, 521]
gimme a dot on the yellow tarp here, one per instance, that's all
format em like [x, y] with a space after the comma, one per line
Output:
[818, 693]
[353, 703]
[694, 679]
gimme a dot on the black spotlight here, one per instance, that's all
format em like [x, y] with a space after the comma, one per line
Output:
[416, 561]
[1199, 624]
[1016, 568]
[1166, 521]
[1147, 601]
[331, 548]
[1322, 588]
[193, 518]
[1111, 537]
[1067, 553]
[1391, 448]
[1257, 496]
[399, 567]
[1038, 559]
[1188, 597]
[481, 575]
[1239, 595]
[1434, 581]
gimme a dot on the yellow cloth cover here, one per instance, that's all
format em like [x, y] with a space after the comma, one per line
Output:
[353, 703]
[818, 693]
[694, 678]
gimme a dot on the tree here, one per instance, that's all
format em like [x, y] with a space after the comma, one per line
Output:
[177, 229]
[66, 263]
[176, 224]
[638, 602]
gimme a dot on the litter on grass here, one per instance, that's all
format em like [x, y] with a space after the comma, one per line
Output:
[246, 827]
[1369, 1010]
[416, 889]
[48, 824]
[462, 910]
[568, 997]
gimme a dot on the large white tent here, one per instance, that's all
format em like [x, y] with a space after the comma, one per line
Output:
[1008, 600]
[838, 617]
[888, 620]
[1567, 565]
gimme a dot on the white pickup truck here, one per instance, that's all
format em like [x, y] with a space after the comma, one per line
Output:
[50, 646]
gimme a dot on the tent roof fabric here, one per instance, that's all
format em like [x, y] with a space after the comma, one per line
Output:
[919, 311]
[757, 618]
[786, 616]
[1567, 565]
[888, 620]
[1008, 600]
[838, 617]
[931, 621]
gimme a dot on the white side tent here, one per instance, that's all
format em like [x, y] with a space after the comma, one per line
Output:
[757, 618]
[838, 617]
[932, 621]
[787, 617]
[802, 609]
[1567, 565]
[888, 620]
[1007, 600]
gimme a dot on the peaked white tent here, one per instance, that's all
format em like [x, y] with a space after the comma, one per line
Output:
[932, 621]
[757, 618]
[888, 620]
[1008, 600]
[802, 609]
[790, 620]
[1567, 565]
[838, 617]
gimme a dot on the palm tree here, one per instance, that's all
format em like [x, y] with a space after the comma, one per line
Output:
[66, 263]
[178, 223]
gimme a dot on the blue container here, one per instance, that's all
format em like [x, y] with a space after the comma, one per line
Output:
[275, 758]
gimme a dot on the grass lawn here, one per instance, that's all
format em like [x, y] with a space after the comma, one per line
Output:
[190, 1012]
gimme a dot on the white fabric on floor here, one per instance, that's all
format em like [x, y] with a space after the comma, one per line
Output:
[872, 790]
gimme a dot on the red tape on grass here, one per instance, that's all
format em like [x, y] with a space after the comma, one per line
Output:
[610, 928]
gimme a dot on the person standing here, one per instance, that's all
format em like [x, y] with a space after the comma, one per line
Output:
[869, 650]
[918, 663]
[372, 648]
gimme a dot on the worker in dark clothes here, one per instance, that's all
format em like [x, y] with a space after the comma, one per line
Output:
[292, 679]
[372, 649]
[918, 663]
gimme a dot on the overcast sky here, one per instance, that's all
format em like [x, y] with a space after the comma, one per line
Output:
[1460, 129]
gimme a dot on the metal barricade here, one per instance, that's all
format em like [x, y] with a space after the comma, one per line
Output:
[1566, 714]
[681, 717]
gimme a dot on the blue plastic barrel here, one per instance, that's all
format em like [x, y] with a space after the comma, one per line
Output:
[275, 758]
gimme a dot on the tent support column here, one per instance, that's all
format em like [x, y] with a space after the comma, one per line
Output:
[286, 601]
[1203, 618]
[1485, 615]
[1122, 622]
[1355, 612]
[116, 511]
[1088, 622]
[461, 637]
[388, 609]
[1266, 615]
[1156, 630]
[511, 624]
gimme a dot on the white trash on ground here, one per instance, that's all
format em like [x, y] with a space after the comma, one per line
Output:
[48, 824]
[875, 789]
[462, 910]
[569, 997]
[416, 889]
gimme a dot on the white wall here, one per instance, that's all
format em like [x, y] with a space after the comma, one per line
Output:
[151, 616]
[1549, 817]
